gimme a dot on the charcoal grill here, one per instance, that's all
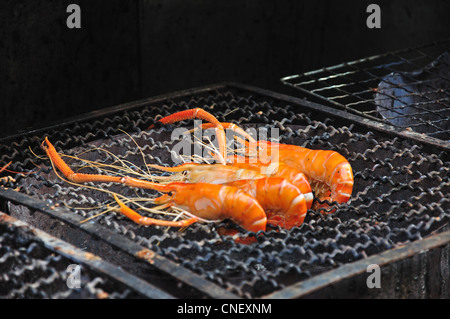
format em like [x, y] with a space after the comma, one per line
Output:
[408, 89]
[397, 217]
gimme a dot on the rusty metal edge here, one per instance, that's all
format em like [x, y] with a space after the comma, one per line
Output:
[89, 260]
[191, 279]
[306, 287]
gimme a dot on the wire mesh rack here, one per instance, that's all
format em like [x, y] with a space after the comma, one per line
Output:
[400, 198]
[36, 265]
[409, 89]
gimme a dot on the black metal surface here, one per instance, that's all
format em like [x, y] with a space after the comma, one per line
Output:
[154, 261]
[409, 89]
[401, 193]
[436, 274]
[36, 265]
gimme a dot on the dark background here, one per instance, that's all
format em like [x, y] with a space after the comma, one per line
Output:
[132, 49]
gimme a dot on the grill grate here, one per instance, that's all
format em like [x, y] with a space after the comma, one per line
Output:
[409, 89]
[401, 192]
[35, 265]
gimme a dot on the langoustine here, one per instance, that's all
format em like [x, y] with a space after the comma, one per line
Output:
[328, 172]
[283, 201]
[213, 202]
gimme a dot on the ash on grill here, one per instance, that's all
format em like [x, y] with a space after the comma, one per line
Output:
[400, 193]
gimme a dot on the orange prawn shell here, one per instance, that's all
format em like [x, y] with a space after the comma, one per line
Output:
[327, 168]
[280, 170]
[218, 202]
[277, 196]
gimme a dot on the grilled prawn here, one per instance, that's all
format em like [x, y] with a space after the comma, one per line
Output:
[203, 201]
[205, 173]
[280, 170]
[283, 202]
[239, 169]
[277, 196]
[328, 172]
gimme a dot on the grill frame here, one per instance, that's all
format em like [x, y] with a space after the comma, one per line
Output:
[349, 86]
[189, 278]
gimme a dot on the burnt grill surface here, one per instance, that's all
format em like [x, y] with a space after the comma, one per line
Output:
[409, 89]
[401, 191]
[35, 265]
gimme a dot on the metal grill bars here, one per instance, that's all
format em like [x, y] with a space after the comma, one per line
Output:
[35, 265]
[409, 89]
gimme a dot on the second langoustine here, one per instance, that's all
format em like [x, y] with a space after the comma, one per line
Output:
[203, 201]
[280, 198]
[328, 172]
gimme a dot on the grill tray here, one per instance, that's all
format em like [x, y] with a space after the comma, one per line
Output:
[399, 207]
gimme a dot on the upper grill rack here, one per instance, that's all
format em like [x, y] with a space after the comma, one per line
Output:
[409, 89]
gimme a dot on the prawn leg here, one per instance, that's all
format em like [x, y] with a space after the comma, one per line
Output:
[203, 115]
[5, 167]
[6, 179]
[56, 159]
[142, 220]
